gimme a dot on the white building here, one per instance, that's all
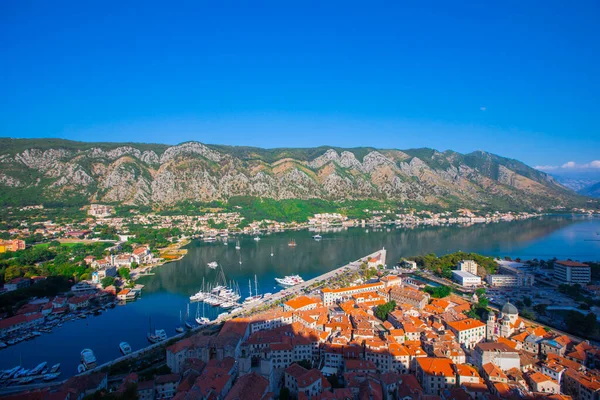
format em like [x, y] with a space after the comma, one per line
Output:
[505, 280]
[468, 331]
[330, 296]
[469, 266]
[572, 272]
[466, 279]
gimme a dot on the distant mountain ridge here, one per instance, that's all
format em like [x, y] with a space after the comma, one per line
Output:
[34, 170]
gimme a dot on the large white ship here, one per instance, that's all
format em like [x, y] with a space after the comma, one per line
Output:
[290, 280]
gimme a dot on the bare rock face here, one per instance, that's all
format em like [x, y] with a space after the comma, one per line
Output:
[193, 171]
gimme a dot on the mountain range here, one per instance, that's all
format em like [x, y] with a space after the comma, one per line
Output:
[55, 170]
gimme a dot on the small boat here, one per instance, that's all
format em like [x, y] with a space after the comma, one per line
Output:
[179, 328]
[88, 359]
[237, 245]
[37, 370]
[240, 259]
[158, 336]
[52, 376]
[212, 264]
[3, 345]
[80, 368]
[55, 368]
[256, 238]
[210, 239]
[272, 251]
[292, 243]
[317, 237]
[125, 348]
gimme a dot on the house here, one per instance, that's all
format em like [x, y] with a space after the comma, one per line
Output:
[301, 303]
[500, 354]
[165, 386]
[11, 245]
[146, 390]
[18, 322]
[543, 383]
[468, 331]
[435, 374]
[17, 283]
[249, 387]
[300, 380]
[78, 302]
[142, 255]
[83, 385]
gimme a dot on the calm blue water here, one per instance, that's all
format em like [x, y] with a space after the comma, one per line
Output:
[168, 291]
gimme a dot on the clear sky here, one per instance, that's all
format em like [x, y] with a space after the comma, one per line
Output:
[520, 79]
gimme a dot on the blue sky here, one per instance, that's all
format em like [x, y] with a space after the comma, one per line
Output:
[519, 79]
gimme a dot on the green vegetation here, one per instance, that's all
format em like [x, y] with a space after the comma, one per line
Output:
[580, 324]
[438, 292]
[155, 238]
[51, 286]
[125, 273]
[383, 310]
[443, 266]
[50, 259]
[107, 281]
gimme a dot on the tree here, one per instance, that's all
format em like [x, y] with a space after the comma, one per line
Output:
[438, 292]
[12, 272]
[107, 281]
[527, 301]
[383, 310]
[124, 273]
[480, 292]
[540, 308]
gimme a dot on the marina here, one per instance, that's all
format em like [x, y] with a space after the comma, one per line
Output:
[167, 292]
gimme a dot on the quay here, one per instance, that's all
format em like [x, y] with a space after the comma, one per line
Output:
[287, 292]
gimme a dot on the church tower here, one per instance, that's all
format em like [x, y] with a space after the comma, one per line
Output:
[490, 326]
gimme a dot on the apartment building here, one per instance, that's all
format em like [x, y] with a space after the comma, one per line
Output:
[468, 331]
[469, 266]
[572, 272]
[331, 296]
[506, 280]
[407, 295]
[435, 374]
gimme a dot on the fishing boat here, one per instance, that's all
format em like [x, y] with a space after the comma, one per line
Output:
[212, 264]
[317, 237]
[125, 348]
[88, 359]
[292, 243]
[290, 280]
[237, 245]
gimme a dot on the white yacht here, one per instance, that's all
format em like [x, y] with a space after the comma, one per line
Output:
[212, 264]
[88, 359]
[317, 237]
[256, 238]
[125, 348]
[210, 239]
[290, 280]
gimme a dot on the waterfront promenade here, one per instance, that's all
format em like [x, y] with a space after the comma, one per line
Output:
[244, 310]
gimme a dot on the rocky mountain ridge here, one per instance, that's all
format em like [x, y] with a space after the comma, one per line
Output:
[161, 175]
